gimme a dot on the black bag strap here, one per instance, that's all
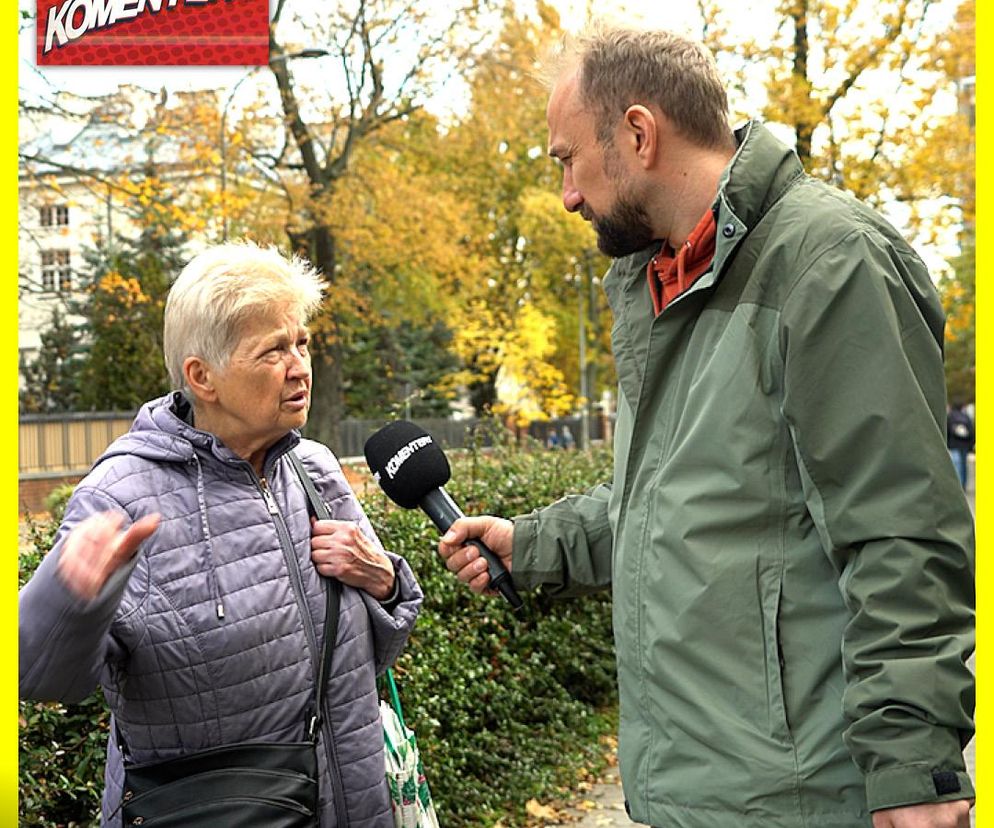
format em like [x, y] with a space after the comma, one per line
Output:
[333, 595]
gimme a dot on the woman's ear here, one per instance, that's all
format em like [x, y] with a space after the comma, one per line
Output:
[199, 376]
[643, 131]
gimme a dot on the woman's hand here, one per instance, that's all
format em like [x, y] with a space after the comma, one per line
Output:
[341, 550]
[97, 548]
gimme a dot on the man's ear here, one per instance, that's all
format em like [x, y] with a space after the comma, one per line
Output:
[642, 131]
[199, 376]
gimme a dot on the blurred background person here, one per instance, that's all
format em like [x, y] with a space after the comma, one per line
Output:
[960, 439]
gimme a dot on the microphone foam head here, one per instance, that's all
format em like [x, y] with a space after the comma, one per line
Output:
[406, 462]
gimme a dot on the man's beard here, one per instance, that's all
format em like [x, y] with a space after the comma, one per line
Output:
[622, 231]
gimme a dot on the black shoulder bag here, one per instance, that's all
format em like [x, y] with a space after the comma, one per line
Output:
[274, 784]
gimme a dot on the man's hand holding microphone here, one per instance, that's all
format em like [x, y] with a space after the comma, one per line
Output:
[412, 470]
[465, 560]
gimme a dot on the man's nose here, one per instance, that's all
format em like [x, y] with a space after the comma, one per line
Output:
[572, 200]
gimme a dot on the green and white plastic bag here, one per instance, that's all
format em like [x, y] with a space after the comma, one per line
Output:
[409, 794]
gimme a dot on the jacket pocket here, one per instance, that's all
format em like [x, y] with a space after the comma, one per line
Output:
[770, 598]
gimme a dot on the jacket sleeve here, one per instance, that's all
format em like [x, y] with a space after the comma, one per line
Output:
[565, 548]
[63, 640]
[393, 621]
[864, 400]
[392, 627]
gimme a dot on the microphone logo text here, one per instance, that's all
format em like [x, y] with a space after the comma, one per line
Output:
[394, 463]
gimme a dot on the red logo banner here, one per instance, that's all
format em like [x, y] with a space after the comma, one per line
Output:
[153, 32]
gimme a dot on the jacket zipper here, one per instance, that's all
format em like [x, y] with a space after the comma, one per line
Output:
[296, 580]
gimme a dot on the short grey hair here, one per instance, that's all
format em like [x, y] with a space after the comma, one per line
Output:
[622, 67]
[220, 289]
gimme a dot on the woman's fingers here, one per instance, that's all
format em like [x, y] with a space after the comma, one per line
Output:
[97, 548]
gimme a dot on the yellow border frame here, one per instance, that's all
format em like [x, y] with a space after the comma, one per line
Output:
[8, 422]
[984, 473]
[8, 495]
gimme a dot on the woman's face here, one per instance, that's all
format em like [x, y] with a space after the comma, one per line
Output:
[265, 390]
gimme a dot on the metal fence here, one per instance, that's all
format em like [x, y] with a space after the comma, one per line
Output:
[447, 432]
[58, 445]
[61, 445]
[462, 433]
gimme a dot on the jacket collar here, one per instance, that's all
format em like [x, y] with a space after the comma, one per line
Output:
[759, 173]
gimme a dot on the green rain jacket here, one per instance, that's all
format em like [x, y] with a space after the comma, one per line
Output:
[789, 548]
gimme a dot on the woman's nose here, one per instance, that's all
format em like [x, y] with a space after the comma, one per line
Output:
[300, 362]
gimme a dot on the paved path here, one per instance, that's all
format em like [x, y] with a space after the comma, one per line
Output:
[604, 805]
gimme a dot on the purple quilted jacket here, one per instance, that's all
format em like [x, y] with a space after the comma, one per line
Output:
[213, 633]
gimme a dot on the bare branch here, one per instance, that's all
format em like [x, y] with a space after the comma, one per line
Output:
[276, 15]
[80, 172]
[869, 58]
[292, 118]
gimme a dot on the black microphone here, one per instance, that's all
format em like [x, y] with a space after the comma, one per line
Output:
[411, 469]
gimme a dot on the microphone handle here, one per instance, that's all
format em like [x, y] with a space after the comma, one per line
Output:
[443, 512]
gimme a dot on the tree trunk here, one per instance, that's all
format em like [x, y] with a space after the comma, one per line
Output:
[327, 398]
[317, 245]
[804, 129]
[483, 395]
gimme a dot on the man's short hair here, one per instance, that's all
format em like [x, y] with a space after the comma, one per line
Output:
[622, 67]
[220, 289]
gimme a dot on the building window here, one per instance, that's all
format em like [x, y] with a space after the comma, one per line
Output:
[54, 215]
[55, 272]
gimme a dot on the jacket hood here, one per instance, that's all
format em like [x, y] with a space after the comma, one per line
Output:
[162, 432]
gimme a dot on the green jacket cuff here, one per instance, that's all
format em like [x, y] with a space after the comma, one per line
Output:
[524, 541]
[916, 783]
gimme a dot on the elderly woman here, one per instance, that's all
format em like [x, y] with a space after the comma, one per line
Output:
[186, 577]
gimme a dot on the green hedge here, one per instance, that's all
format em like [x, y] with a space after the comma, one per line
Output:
[506, 706]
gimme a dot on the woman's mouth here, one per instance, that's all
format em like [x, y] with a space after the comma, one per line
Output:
[297, 401]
